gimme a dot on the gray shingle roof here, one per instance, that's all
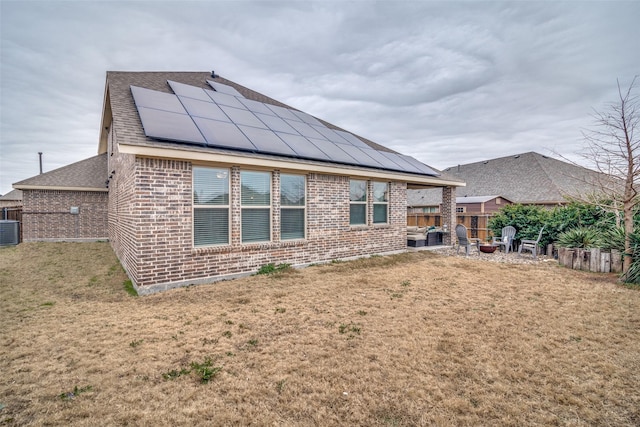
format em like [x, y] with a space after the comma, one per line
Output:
[125, 113]
[129, 127]
[12, 195]
[88, 175]
[528, 178]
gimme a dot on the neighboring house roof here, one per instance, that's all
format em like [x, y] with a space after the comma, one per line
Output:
[120, 109]
[477, 199]
[527, 178]
[86, 175]
[13, 195]
[433, 197]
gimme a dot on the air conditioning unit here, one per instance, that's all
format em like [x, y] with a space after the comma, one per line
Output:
[9, 232]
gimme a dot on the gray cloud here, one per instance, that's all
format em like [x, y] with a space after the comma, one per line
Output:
[446, 82]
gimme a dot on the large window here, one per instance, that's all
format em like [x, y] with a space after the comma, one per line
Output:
[210, 206]
[380, 202]
[255, 197]
[292, 207]
[357, 202]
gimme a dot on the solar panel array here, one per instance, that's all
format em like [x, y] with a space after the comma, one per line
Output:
[223, 118]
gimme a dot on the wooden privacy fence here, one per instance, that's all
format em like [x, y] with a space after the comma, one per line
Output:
[476, 224]
[595, 260]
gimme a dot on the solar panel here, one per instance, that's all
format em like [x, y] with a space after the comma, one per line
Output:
[359, 155]
[329, 134]
[256, 107]
[242, 117]
[304, 129]
[352, 139]
[157, 100]
[307, 118]
[334, 152]
[207, 110]
[266, 141]
[224, 99]
[384, 161]
[276, 123]
[406, 166]
[223, 118]
[222, 134]
[189, 91]
[168, 125]
[219, 87]
[285, 113]
[303, 147]
[419, 165]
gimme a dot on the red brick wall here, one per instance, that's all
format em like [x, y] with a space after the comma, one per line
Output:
[151, 231]
[46, 215]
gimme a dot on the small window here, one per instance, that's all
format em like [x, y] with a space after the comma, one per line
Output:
[210, 206]
[255, 198]
[461, 209]
[357, 202]
[292, 206]
[380, 202]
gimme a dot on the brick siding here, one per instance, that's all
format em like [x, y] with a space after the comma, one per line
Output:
[150, 226]
[47, 216]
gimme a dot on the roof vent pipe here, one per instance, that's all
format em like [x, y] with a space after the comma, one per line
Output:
[40, 158]
[213, 74]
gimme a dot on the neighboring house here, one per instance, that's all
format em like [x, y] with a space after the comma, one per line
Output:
[13, 199]
[209, 180]
[69, 203]
[420, 202]
[528, 178]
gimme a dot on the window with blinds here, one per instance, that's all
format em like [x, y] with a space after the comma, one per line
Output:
[255, 198]
[380, 202]
[292, 206]
[210, 206]
[357, 202]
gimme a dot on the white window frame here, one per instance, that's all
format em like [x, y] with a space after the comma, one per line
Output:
[365, 202]
[295, 207]
[196, 206]
[374, 202]
[256, 207]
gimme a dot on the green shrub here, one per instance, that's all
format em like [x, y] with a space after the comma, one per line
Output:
[527, 219]
[581, 237]
[272, 268]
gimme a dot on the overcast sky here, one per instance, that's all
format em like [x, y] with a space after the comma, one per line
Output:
[446, 82]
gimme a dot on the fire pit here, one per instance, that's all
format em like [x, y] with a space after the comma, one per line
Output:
[488, 248]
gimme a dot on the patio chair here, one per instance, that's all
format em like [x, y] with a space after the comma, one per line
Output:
[505, 239]
[530, 245]
[463, 240]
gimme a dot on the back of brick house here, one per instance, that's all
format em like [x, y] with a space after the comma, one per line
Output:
[181, 213]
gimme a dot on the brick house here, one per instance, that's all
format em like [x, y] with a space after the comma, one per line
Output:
[69, 203]
[208, 180]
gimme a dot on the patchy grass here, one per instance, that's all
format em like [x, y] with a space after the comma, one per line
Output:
[413, 339]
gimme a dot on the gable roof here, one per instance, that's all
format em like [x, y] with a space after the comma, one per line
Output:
[120, 109]
[13, 195]
[86, 175]
[527, 178]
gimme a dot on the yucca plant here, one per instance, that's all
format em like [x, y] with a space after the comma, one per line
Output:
[613, 238]
[580, 237]
[633, 274]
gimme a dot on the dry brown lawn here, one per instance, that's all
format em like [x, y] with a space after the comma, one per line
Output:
[414, 339]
